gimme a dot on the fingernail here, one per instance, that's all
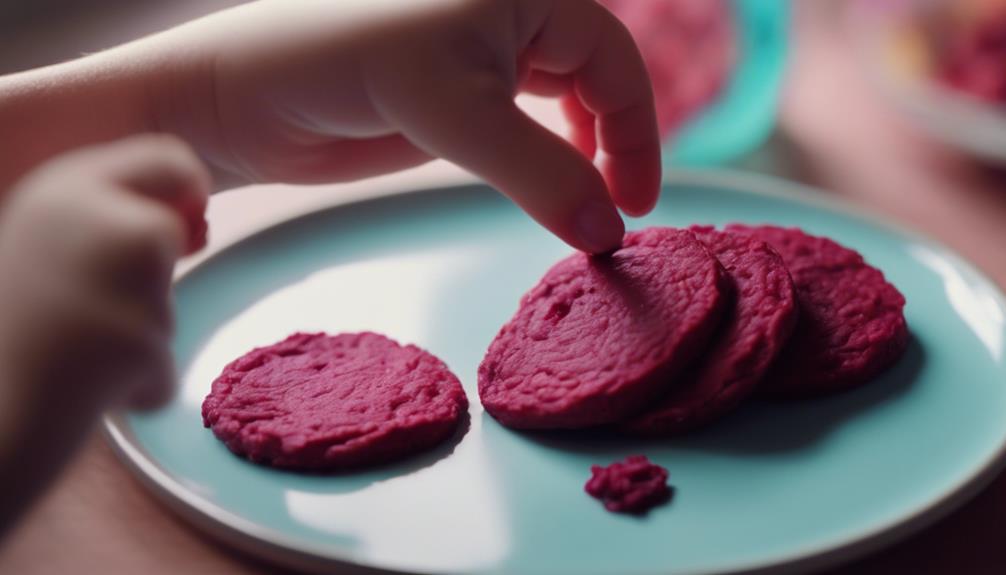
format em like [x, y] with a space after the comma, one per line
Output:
[599, 227]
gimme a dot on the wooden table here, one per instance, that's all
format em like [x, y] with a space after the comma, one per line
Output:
[98, 519]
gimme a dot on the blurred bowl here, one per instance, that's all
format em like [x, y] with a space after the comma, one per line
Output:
[743, 116]
[896, 49]
[715, 67]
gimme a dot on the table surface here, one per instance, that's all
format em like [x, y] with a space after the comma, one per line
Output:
[98, 519]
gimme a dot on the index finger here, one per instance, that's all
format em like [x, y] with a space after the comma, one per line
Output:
[581, 39]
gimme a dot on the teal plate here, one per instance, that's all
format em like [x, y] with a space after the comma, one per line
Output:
[795, 486]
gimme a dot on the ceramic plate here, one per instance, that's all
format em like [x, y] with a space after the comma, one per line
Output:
[795, 485]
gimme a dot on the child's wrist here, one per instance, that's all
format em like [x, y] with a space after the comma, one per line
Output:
[102, 97]
[182, 97]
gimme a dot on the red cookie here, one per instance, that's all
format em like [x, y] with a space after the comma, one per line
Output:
[852, 324]
[320, 402]
[754, 332]
[600, 337]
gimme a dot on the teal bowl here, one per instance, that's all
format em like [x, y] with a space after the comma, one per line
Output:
[744, 115]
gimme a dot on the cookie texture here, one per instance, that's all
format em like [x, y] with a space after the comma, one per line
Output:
[755, 330]
[320, 402]
[599, 337]
[852, 324]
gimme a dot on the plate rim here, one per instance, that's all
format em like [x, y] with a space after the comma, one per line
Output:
[277, 547]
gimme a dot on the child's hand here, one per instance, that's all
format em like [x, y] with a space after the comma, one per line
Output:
[316, 91]
[88, 243]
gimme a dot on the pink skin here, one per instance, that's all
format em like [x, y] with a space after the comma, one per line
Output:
[87, 246]
[299, 91]
[307, 91]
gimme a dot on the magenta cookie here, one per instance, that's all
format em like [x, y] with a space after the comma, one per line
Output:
[852, 324]
[321, 402]
[600, 337]
[754, 332]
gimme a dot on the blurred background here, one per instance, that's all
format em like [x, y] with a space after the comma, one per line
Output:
[896, 106]
[719, 67]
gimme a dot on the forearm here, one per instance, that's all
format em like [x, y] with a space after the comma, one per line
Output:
[50, 110]
[37, 437]
[44, 414]
[155, 84]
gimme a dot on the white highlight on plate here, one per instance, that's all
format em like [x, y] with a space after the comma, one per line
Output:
[393, 296]
[444, 517]
[974, 301]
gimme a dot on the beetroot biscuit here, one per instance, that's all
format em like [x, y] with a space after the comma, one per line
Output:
[320, 402]
[599, 337]
[852, 324]
[754, 332]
